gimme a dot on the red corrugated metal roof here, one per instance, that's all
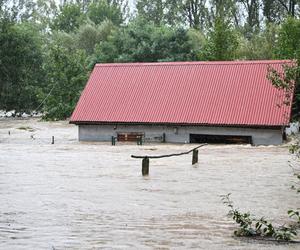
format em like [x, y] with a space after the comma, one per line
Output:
[211, 93]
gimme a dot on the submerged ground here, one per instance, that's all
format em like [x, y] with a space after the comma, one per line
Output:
[74, 195]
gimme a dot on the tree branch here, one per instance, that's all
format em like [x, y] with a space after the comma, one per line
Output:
[284, 5]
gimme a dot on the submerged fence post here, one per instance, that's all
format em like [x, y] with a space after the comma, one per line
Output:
[113, 141]
[195, 156]
[139, 140]
[145, 162]
[52, 142]
[164, 137]
[145, 166]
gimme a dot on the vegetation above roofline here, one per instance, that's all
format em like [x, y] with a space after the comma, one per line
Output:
[47, 50]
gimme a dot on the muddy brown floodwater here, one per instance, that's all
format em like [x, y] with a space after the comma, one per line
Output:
[74, 195]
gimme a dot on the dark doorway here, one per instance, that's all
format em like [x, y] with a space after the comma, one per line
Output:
[220, 139]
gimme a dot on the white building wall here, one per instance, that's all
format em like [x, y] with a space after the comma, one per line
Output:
[177, 134]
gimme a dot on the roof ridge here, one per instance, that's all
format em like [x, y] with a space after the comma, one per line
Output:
[192, 63]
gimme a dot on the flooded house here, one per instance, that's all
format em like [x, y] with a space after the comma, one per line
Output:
[183, 102]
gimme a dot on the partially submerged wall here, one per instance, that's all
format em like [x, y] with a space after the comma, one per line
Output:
[177, 134]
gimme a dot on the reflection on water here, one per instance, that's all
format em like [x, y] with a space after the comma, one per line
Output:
[73, 195]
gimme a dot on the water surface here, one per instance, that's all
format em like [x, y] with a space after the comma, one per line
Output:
[73, 195]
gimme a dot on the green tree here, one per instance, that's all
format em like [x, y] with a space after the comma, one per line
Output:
[227, 9]
[151, 10]
[89, 35]
[288, 47]
[161, 11]
[69, 18]
[173, 15]
[252, 24]
[142, 41]
[66, 77]
[64, 39]
[21, 72]
[290, 6]
[277, 10]
[273, 11]
[196, 13]
[222, 42]
[43, 13]
[260, 46]
[102, 10]
[19, 9]
[198, 42]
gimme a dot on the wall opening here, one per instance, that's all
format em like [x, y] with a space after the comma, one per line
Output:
[129, 136]
[220, 139]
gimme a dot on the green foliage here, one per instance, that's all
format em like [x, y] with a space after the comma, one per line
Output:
[90, 34]
[152, 11]
[288, 46]
[161, 11]
[146, 42]
[197, 14]
[260, 46]
[251, 227]
[252, 24]
[69, 18]
[273, 11]
[21, 60]
[295, 213]
[66, 77]
[197, 40]
[295, 150]
[288, 80]
[102, 10]
[222, 42]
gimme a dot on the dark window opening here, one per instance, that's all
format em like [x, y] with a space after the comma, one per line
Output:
[129, 136]
[220, 139]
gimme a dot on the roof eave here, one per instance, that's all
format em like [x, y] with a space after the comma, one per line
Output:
[274, 126]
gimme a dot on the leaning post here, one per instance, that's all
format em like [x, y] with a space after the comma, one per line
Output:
[145, 166]
[195, 156]
[52, 142]
[164, 137]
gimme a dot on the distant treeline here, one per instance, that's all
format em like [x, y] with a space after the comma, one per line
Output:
[48, 50]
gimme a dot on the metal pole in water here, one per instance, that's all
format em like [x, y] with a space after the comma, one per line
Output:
[195, 156]
[145, 166]
[52, 142]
